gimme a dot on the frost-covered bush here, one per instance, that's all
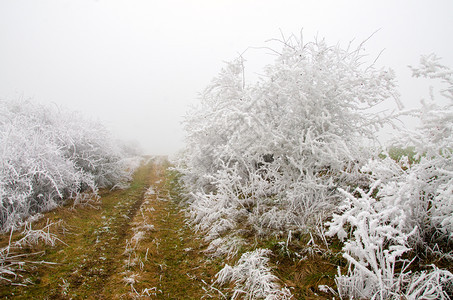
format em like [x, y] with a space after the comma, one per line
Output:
[252, 277]
[433, 141]
[409, 206]
[376, 234]
[373, 246]
[270, 156]
[47, 156]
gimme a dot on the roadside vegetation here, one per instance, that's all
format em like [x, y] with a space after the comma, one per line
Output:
[49, 156]
[289, 171]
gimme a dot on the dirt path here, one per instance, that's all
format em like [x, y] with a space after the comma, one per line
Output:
[134, 244]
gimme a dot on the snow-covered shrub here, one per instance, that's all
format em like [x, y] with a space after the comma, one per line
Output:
[89, 145]
[47, 156]
[408, 205]
[433, 141]
[374, 244]
[252, 277]
[425, 188]
[270, 156]
[378, 228]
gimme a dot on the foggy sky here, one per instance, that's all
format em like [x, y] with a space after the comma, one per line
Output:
[138, 65]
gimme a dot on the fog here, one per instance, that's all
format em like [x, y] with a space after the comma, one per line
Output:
[137, 66]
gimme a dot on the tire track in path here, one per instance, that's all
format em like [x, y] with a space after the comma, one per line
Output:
[162, 257]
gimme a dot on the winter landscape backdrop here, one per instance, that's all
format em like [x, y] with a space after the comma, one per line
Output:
[310, 167]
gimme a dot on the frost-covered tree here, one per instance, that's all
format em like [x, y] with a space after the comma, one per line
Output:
[270, 156]
[408, 206]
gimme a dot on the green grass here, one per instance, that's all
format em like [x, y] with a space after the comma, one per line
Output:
[397, 153]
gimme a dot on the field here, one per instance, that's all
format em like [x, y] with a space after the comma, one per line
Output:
[283, 191]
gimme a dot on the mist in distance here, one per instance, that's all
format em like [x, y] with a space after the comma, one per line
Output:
[137, 66]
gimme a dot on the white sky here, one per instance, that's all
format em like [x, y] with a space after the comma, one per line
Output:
[138, 65]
